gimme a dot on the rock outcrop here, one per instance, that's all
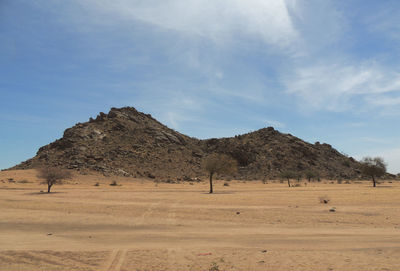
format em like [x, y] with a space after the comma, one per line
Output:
[130, 143]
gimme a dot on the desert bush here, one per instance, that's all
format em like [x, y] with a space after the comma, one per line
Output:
[114, 183]
[53, 175]
[214, 267]
[226, 184]
[264, 180]
[97, 184]
[324, 199]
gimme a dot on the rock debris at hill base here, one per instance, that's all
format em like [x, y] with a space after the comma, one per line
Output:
[130, 143]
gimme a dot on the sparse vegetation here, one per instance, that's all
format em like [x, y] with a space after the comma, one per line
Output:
[309, 174]
[114, 183]
[53, 175]
[373, 167]
[298, 176]
[324, 199]
[214, 267]
[218, 163]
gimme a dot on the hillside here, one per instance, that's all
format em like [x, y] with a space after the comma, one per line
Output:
[131, 143]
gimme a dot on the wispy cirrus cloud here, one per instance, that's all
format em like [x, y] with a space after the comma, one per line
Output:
[342, 86]
[218, 20]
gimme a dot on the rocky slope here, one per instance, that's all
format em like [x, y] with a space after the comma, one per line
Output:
[131, 143]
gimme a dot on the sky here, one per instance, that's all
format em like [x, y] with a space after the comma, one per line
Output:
[324, 71]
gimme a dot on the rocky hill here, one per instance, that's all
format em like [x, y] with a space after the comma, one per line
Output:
[131, 143]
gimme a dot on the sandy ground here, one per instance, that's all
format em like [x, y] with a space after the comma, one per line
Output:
[141, 225]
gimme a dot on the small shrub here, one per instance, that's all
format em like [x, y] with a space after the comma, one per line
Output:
[214, 267]
[114, 183]
[226, 184]
[97, 184]
[324, 199]
[264, 180]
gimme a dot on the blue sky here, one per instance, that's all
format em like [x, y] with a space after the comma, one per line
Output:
[324, 71]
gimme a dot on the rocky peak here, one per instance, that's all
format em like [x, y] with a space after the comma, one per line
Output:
[126, 141]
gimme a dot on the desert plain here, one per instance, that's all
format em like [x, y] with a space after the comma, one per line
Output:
[143, 225]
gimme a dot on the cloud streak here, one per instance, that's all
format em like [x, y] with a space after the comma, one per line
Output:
[218, 20]
[334, 87]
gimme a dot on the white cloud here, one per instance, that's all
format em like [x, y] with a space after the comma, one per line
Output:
[332, 87]
[384, 101]
[214, 19]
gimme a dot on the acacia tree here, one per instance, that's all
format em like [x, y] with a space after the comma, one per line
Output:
[53, 175]
[288, 174]
[220, 164]
[373, 167]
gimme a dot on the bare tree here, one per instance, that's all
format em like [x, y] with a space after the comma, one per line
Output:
[53, 175]
[288, 174]
[373, 167]
[219, 163]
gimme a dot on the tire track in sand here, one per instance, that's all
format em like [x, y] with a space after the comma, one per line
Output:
[115, 261]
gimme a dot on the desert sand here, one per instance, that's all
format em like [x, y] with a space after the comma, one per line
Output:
[141, 225]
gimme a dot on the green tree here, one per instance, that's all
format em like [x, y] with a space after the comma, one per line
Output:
[217, 163]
